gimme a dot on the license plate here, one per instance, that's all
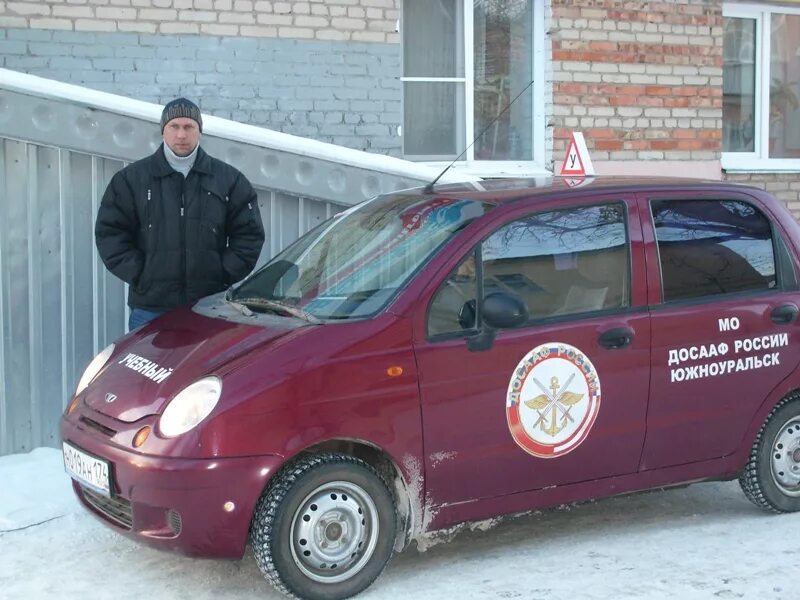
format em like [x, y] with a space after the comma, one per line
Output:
[88, 470]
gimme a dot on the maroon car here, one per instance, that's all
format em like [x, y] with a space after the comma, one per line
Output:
[429, 358]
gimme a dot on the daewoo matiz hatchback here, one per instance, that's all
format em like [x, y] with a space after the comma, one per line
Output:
[429, 358]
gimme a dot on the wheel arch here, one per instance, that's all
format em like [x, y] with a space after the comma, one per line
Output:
[788, 388]
[386, 467]
[768, 493]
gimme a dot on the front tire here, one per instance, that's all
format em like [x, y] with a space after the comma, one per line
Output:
[324, 528]
[771, 479]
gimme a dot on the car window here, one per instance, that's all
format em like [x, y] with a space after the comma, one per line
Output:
[787, 275]
[558, 263]
[561, 262]
[356, 263]
[712, 247]
[452, 309]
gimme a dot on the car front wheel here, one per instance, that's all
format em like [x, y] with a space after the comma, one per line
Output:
[324, 528]
[771, 479]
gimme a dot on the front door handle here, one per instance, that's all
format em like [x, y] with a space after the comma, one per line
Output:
[619, 337]
[786, 313]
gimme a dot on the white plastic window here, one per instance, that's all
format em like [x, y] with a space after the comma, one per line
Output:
[761, 88]
[464, 61]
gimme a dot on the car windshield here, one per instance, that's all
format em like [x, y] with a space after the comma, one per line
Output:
[352, 265]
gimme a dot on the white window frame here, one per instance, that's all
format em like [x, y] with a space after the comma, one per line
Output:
[759, 161]
[495, 168]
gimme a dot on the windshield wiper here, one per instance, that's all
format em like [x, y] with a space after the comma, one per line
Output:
[277, 306]
[241, 308]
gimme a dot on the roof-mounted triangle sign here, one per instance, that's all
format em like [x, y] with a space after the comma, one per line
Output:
[577, 162]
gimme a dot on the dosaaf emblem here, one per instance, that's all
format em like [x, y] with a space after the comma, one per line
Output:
[553, 400]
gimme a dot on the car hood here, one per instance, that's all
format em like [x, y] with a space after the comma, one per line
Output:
[156, 362]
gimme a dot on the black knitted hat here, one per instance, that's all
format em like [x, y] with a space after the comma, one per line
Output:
[181, 107]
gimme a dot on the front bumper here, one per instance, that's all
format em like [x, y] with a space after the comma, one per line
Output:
[172, 503]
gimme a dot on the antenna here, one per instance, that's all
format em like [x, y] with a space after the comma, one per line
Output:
[429, 188]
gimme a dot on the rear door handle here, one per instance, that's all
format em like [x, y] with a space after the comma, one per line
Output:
[618, 337]
[786, 313]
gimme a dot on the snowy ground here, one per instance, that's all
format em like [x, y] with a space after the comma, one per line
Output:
[705, 541]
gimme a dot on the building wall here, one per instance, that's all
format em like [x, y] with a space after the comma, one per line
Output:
[323, 70]
[341, 20]
[784, 186]
[642, 80]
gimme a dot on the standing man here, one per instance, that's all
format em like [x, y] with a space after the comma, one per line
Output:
[179, 224]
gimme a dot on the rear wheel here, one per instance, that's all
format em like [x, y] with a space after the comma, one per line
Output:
[324, 529]
[771, 479]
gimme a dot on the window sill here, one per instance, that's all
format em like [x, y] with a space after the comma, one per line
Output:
[747, 163]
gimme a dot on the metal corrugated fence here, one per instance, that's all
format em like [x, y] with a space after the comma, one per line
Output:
[58, 304]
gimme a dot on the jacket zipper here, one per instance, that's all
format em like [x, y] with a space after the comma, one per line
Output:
[147, 236]
[147, 213]
[183, 244]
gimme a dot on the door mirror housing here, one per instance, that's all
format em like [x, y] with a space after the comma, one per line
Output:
[502, 310]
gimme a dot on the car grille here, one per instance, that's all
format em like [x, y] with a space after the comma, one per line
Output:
[97, 426]
[117, 510]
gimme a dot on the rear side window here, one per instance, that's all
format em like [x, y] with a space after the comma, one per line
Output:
[713, 247]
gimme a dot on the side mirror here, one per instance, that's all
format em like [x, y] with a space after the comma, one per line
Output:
[500, 311]
[504, 311]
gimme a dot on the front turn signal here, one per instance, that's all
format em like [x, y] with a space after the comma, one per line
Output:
[141, 436]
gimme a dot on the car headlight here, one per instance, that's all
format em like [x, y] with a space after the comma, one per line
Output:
[94, 368]
[192, 404]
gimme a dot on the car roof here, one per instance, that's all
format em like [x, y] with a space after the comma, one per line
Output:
[501, 191]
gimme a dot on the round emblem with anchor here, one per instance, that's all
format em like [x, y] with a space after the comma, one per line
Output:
[553, 399]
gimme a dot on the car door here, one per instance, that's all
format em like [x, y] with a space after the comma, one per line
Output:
[724, 305]
[559, 399]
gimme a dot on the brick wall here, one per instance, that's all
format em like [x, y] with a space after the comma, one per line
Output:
[346, 93]
[641, 79]
[326, 70]
[784, 186]
[342, 20]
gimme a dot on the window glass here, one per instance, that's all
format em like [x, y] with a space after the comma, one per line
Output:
[503, 41]
[739, 85]
[437, 87]
[359, 260]
[710, 247]
[784, 87]
[561, 262]
[433, 38]
[453, 307]
[785, 263]
[433, 109]
[434, 119]
[761, 89]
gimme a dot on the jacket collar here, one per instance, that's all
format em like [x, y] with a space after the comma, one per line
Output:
[161, 168]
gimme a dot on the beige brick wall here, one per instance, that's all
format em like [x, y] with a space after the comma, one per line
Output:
[354, 20]
[642, 80]
[784, 186]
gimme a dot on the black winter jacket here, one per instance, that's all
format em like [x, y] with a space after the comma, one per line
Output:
[175, 240]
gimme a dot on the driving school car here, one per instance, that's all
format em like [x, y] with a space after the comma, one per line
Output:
[433, 357]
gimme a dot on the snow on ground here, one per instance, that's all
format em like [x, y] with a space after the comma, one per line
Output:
[705, 541]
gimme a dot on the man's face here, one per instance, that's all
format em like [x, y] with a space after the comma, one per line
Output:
[181, 135]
